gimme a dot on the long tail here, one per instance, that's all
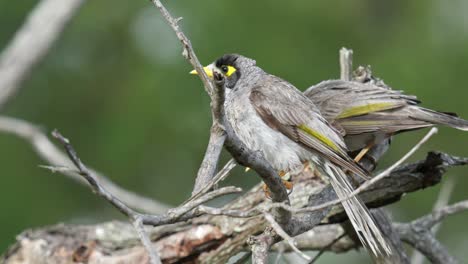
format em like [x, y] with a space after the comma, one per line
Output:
[431, 116]
[368, 232]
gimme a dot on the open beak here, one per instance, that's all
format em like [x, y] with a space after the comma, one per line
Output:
[208, 70]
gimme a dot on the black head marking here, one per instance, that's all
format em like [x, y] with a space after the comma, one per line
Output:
[227, 59]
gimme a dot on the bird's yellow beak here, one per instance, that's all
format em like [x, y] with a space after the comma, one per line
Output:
[208, 70]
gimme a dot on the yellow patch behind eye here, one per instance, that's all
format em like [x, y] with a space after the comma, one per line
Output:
[230, 71]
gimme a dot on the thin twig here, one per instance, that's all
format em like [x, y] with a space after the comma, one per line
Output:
[358, 190]
[32, 42]
[374, 180]
[232, 213]
[440, 214]
[207, 168]
[171, 216]
[220, 176]
[188, 52]
[327, 247]
[285, 236]
[138, 219]
[442, 200]
[48, 152]
[145, 240]
[418, 233]
[188, 206]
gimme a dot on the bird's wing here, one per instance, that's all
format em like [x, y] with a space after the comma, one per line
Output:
[360, 108]
[338, 99]
[285, 109]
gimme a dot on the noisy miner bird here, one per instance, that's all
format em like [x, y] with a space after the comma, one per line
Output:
[273, 117]
[368, 114]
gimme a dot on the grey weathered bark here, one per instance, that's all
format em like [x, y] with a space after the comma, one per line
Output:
[189, 233]
[214, 239]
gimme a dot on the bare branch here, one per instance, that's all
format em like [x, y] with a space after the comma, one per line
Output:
[260, 246]
[188, 206]
[52, 155]
[207, 169]
[220, 176]
[346, 64]
[439, 214]
[173, 215]
[32, 42]
[188, 52]
[316, 257]
[285, 236]
[232, 213]
[145, 240]
[96, 187]
[442, 200]
[377, 178]
[418, 233]
[221, 237]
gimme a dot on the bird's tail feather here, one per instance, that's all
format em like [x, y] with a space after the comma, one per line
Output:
[368, 232]
[440, 118]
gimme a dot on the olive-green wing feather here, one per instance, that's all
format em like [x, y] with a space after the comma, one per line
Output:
[361, 108]
[284, 108]
[364, 108]
[338, 99]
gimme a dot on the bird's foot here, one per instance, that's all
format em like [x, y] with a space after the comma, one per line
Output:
[286, 179]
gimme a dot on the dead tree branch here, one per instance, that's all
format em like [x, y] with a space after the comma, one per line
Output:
[32, 42]
[48, 152]
[208, 166]
[442, 201]
[173, 215]
[214, 239]
[419, 235]
[137, 219]
[374, 180]
[192, 232]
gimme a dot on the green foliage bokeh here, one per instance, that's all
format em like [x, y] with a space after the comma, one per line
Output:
[115, 83]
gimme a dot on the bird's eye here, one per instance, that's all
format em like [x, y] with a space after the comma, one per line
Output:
[224, 68]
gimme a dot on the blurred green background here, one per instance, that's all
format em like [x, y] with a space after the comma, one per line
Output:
[116, 84]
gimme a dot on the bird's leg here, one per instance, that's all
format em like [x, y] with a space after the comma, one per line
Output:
[363, 152]
[285, 178]
[306, 166]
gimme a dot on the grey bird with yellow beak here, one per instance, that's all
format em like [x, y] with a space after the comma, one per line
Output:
[273, 117]
[368, 114]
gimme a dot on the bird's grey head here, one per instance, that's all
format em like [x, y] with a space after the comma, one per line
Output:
[232, 67]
